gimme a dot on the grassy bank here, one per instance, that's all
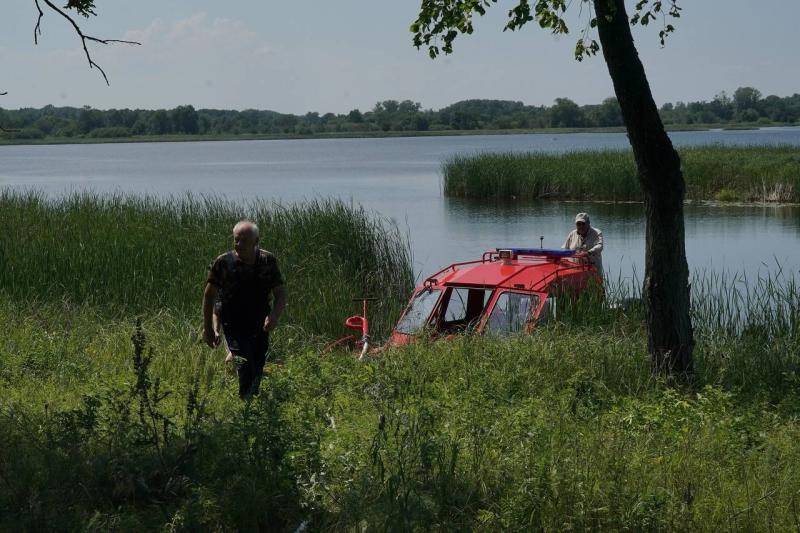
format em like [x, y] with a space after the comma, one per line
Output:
[566, 429]
[106, 427]
[748, 174]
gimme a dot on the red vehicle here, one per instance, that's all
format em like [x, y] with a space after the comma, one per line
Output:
[504, 292]
[507, 291]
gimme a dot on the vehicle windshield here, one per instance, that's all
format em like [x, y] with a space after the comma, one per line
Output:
[418, 312]
[511, 313]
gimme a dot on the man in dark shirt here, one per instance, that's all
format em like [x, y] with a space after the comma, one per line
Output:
[243, 280]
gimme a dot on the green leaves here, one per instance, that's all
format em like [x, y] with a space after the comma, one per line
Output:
[646, 13]
[440, 22]
[546, 13]
[585, 48]
[82, 7]
[443, 21]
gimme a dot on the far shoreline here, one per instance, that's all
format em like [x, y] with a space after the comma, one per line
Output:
[356, 135]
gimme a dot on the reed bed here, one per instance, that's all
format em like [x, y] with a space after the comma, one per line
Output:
[130, 255]
[746, 174]
[750, 329]
[747, 326]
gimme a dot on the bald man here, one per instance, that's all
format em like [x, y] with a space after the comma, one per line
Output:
[243, 281]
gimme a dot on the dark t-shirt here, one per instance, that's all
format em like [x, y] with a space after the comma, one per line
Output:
[244, 289]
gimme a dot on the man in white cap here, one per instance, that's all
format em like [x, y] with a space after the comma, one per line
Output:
[585, 238]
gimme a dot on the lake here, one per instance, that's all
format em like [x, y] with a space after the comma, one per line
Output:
[400, 178]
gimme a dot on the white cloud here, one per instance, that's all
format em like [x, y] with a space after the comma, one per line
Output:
[203, 60]
[195, 42]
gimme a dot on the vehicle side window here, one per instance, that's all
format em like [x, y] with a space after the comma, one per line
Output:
[511, 313]
[418, 312]
[464, 307]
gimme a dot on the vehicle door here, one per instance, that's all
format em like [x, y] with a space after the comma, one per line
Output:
[462, 308]
[513, 312]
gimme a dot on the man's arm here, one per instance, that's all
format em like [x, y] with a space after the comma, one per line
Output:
[597, 248]
[209, 298]
[280, 297]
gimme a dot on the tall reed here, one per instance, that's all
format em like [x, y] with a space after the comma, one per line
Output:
[747, 326]
[131, 255]
[745, 173]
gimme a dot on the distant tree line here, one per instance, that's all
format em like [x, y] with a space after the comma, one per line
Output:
[745, 106]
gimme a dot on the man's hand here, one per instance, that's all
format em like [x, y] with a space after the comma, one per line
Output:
[210, 334]
[211, 337]
[269, 324]
[271, 321]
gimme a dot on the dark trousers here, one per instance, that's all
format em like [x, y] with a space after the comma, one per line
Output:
[252, 347]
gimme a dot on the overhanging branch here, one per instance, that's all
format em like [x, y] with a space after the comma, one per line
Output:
[37, 30]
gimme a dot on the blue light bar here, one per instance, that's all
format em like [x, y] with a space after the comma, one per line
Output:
[539, 252]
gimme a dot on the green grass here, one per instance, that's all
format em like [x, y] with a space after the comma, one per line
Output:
[565, 429]
[751, 174]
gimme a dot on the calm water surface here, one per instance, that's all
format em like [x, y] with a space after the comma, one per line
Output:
[400, 178]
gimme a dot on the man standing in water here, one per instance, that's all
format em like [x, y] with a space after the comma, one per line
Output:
[243, 280]
[585, 238]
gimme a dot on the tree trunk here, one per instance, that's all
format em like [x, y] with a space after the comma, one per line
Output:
[666, 281]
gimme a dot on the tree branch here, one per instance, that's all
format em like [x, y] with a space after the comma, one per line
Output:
[37, 31]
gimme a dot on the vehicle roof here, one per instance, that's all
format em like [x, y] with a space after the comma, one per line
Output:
[535, 273]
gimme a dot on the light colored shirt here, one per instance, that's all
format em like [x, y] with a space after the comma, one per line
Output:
[592, 244]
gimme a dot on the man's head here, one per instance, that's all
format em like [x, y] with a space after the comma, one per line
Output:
[582, 223]
[245, 238]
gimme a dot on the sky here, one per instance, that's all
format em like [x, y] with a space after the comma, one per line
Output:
[325, 56]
